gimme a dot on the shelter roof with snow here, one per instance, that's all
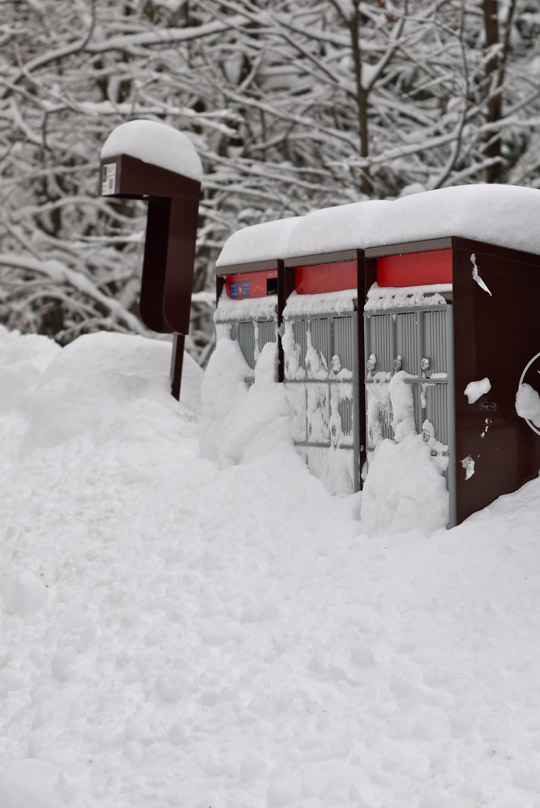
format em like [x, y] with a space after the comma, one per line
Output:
[503, 215]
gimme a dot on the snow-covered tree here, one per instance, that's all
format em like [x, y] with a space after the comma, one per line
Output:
[292, 105]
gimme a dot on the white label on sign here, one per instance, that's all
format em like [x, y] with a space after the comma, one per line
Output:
[108, 185]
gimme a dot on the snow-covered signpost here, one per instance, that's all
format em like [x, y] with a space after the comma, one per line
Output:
[152, 161]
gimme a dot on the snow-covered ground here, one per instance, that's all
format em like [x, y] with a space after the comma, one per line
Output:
[196, 624]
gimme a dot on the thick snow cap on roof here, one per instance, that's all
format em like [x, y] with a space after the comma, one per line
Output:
[504, 215]
[157, 144]
[260, 242]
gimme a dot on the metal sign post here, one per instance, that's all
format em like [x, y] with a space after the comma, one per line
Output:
[169, 250]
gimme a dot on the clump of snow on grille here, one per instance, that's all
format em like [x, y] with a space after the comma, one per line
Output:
[157, 144]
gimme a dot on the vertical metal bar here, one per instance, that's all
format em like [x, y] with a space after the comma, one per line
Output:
[286, 280]
[356, 405]
[177, 360]
[452, 517]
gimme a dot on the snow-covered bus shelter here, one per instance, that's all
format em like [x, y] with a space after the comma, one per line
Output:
[412, 322]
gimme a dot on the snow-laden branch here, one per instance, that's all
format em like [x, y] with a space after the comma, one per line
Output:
[61, 274]
[162, 36]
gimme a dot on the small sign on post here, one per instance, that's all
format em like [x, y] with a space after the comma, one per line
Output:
[152, 161]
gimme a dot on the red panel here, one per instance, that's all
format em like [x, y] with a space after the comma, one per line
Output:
[415, 269]
[250, 284]
[317, 278]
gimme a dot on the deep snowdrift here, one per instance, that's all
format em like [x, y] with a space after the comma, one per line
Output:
[180, 630]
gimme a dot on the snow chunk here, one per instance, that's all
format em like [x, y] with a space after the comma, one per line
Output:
[401, 400]
[474, 390]
[25, 594]
[476, 275]
[403, 489]
[157, 144]
[528, 404]
[468, 464]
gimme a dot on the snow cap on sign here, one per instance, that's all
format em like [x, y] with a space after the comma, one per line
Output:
[503, 215]
[157, 144]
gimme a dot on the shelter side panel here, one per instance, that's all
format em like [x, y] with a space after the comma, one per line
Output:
[496, 335]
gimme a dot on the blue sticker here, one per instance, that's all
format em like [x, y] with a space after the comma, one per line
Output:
[240, 289]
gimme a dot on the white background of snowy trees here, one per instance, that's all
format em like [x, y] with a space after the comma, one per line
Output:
[292, 105]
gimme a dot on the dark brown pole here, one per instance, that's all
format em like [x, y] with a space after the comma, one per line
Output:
[177, 360]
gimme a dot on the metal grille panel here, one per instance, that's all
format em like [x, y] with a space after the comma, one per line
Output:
[344, 341]
[267, 332]
[345, 409]
[408, 342]
[381, 340]
[300, 338]
[437, 410]
[320, 336]
[246, 341]
[435, 340]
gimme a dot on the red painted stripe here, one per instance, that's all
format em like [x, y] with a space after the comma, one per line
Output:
[415, 269]
[249, 284]
[317, 278]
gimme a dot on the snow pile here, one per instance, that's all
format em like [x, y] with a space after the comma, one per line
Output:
[404, 488]
[157, 144]
[184, 631]
[504, 215]
[241, 424]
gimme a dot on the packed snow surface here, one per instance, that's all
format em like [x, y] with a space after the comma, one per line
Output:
[157, 144]
[505, 215]
[189, 619]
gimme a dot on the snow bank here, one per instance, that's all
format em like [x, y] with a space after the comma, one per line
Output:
[81, 389]
[157, 144]
[229, 636]
[504, 215]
